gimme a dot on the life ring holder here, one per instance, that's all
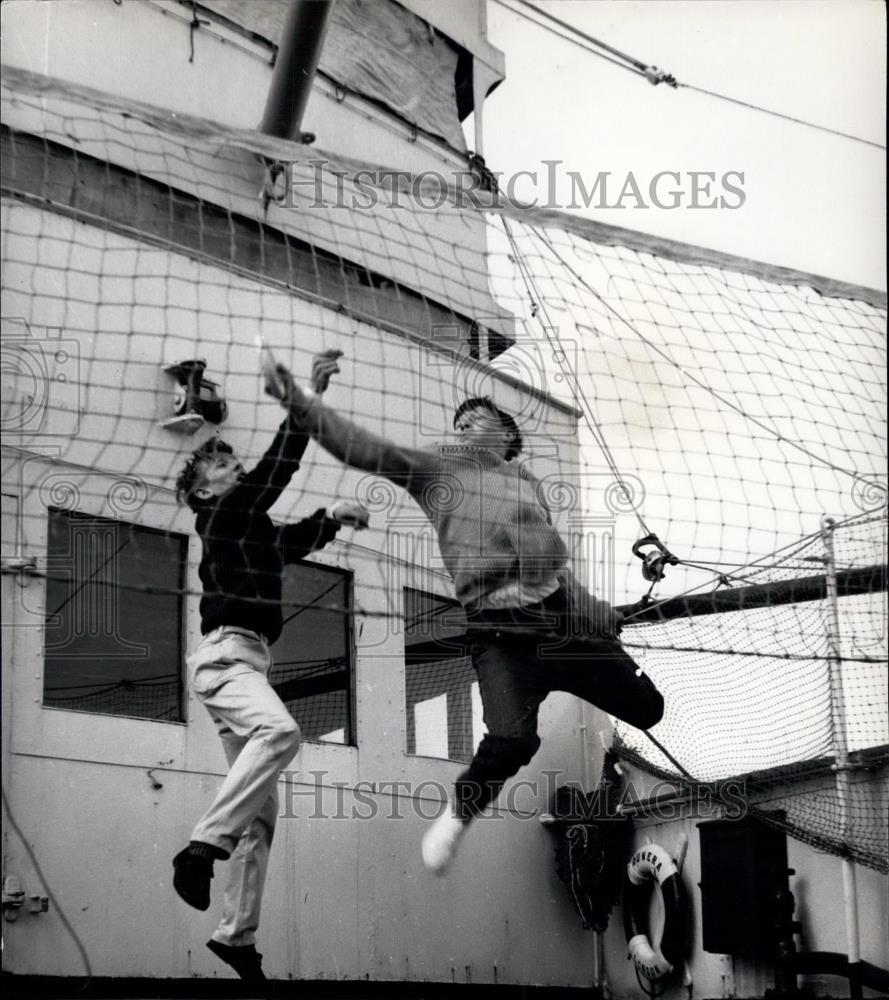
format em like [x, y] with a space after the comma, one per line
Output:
[652, 863]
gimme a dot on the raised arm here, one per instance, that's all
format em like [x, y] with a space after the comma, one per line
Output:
[297, 540]
[262, 486]
[362, 449]
[300, 538]
[347, 441]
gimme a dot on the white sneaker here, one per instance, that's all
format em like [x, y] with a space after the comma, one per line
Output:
[441, 840]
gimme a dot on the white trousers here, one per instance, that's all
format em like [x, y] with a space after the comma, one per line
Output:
[229, 671]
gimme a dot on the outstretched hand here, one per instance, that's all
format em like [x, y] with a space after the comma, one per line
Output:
[324, 365]
[350, 514]
[280, 385]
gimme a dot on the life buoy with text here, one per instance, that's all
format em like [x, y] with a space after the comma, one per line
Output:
[653, 864]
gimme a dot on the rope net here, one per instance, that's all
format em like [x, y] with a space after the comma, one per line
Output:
[723, 408]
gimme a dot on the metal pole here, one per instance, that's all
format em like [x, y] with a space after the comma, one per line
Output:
[601, 974]
[600, 983]
[299, 53]
[841, 752]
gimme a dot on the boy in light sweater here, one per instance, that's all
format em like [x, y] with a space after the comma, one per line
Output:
[533, 628]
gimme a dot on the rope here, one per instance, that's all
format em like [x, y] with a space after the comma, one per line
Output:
[780, 114]
[568, 38]
[596, 47]
[668, 755]
[636, 64]
[804, 657]
[90, 578]
[313, 602]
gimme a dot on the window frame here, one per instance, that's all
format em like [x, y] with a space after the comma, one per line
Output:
[350, 646]
[418, 660]
[182, 603]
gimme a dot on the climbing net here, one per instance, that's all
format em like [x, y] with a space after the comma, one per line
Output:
[716, 410]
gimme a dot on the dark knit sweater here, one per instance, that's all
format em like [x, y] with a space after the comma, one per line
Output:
[244, 551]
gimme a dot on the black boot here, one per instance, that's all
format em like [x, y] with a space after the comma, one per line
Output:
[244, 959]
[192, 871]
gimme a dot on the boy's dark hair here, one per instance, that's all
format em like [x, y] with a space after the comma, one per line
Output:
[186, 479]
[485, 403]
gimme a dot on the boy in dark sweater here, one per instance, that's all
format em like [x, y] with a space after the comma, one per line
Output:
[244, 554]
[533, 628]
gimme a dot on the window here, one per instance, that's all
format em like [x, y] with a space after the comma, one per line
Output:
[313, 658]
[444, 714]
[114, 617]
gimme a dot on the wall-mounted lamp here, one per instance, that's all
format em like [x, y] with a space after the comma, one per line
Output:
[195, 398]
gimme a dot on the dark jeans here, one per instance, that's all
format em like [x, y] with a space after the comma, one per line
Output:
[517, 667]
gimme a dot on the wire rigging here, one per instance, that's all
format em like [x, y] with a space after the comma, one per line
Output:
[798, 544]
[654, 75]
[83, 583]
[631, 61]
[791, 657]
[780, 114]
[313, 603]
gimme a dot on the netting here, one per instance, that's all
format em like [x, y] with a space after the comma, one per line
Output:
[724, 406]
[717, 721]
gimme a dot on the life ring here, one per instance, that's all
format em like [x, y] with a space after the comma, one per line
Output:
[653, 863]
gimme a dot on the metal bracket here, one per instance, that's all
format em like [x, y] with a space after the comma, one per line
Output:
[655, 561]
[19, 564]
[13, 898]
[656, 76]
[273, 190]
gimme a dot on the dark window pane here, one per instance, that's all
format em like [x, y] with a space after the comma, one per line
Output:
[312, 659]
[442, 698]
[114, 615]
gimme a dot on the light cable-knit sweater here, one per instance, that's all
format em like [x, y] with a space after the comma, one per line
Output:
[495, 536]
